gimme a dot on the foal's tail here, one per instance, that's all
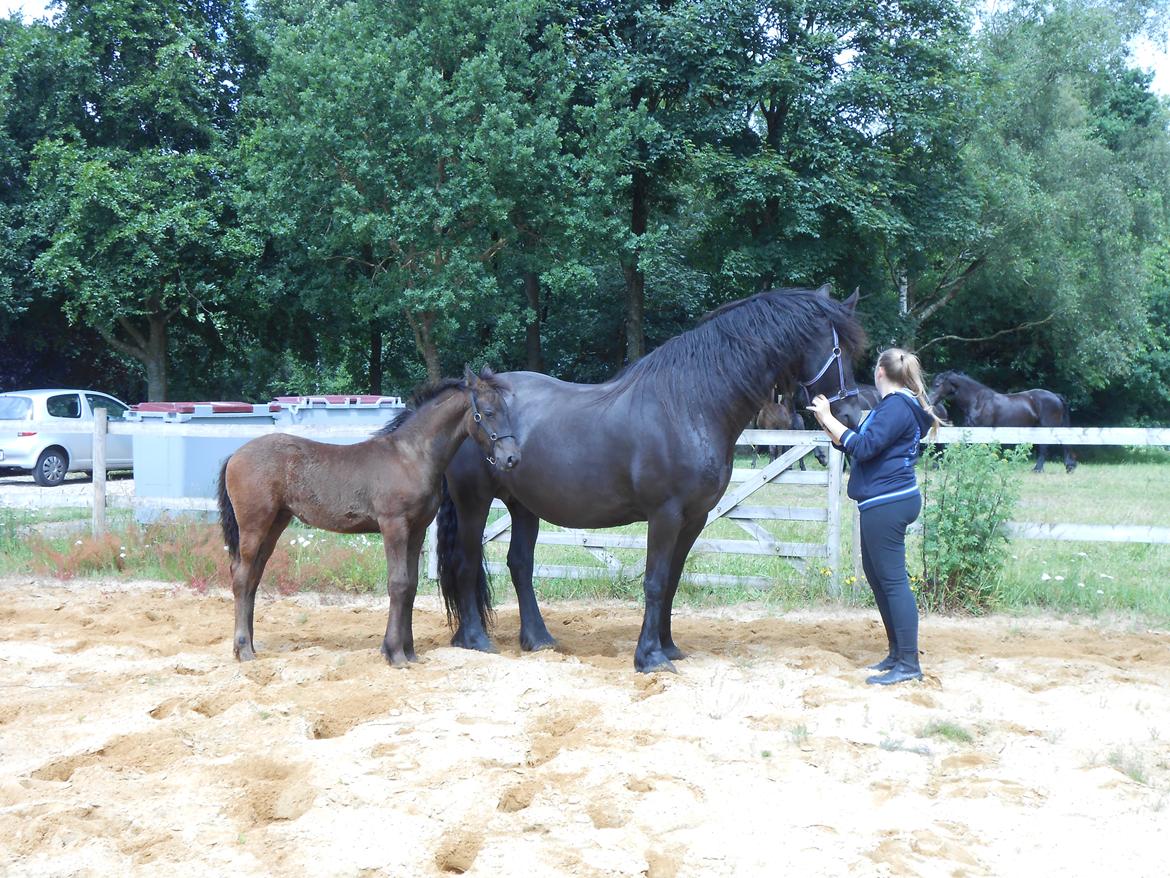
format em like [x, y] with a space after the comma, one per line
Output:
[227, 514]
[451, 558]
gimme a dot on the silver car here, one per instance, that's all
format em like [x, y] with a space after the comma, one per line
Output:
[50, 433]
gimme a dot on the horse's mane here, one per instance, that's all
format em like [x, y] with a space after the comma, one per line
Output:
[957, 374]
[736, 349]
[424, 393]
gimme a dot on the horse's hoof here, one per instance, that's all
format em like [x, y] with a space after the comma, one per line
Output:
[244, 653]
[537, 644]
[482, 643]
[655, 662]
[673, 653]
[395, 658]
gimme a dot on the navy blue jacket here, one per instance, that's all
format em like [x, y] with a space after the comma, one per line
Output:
[883, 451]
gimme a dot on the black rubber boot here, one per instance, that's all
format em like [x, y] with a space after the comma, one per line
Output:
[906, 668]
[888, 662]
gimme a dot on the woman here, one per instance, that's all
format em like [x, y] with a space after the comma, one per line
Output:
[882, 481]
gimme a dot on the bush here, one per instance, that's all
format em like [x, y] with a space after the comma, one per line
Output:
[969, 496]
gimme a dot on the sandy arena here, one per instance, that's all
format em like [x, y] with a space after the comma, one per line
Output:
[133, 743]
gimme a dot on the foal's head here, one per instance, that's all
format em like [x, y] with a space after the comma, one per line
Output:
[489, 420]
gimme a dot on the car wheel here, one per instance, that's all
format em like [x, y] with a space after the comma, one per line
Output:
[51, 468]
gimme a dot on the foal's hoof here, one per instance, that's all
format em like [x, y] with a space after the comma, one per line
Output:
[396, 658]
[244, 652]
[653, 663]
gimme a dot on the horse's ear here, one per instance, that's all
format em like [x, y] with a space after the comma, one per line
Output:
[469, 377]
[824, 290]
[851, 302]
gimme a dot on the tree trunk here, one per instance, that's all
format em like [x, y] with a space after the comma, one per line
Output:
[532, 332]
[150, 350]
[424, 340]
[376, 361]
[635, 279]
[156, 359]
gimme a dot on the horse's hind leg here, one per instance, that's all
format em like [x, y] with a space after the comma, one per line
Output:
[1041, 457]
[1070, 459]
[521, 552]
[256, 546]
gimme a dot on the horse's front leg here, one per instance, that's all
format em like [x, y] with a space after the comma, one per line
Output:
[401, 589]
[661, 538]
[534, 634]
[682, 548]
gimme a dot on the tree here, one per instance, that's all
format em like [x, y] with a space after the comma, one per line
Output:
[131, 196]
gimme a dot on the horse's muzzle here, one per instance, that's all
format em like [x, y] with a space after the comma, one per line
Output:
[847, 411]
[506, 453]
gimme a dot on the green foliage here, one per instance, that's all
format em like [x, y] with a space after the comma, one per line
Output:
[231, 198]
[968, 498]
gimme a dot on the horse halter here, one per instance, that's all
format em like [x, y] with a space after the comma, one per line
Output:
[494, 437]
[835, 356]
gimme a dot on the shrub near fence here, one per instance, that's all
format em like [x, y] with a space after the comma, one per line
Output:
[970, 494]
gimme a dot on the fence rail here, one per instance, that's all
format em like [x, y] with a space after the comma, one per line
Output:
[733, 506]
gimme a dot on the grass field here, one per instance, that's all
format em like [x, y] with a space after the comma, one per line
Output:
[1117, 487]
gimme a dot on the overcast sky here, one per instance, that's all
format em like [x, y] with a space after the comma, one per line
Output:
[1146, 54]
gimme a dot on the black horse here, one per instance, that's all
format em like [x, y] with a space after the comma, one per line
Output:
[980, 406]
[655, 444]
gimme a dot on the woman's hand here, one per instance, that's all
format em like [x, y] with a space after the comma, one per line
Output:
[820, 407]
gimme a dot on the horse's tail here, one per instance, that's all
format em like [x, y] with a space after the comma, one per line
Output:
[1064, 411]
[450, 556]
[227, 514]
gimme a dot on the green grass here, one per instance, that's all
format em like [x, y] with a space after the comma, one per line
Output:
[947, 731]
[1090, 579]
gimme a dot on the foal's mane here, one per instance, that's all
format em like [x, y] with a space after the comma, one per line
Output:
[735, 350]
[424, 393]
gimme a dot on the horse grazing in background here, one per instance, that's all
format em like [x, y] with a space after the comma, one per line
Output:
[776, 414]
[983, 407]
[655, 444]
[388, 483]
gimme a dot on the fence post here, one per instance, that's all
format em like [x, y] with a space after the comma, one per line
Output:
[99, 472]
[836, 465]
[431, 549]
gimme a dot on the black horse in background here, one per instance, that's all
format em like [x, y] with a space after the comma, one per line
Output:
[655, 444]
[980, 406]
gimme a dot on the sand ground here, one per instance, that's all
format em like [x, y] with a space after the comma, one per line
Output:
[132, 742]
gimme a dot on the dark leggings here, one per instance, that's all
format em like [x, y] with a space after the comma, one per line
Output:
[883, 555]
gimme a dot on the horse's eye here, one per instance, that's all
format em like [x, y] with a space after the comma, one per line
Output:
[488, 413]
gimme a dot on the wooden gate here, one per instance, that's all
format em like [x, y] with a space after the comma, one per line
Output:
[733, 506]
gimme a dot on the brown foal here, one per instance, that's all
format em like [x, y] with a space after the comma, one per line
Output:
[388, 483]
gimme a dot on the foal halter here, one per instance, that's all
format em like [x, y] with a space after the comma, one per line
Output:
[835, 356]
[494, 437]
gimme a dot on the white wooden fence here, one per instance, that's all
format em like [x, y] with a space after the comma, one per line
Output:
[745, 483]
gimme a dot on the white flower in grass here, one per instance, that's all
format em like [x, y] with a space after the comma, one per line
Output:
[1080, 585]
[78, 543]
[1044, 577]
[1100, 592]
[121, 554]
[1105, 576]
[1059, 578]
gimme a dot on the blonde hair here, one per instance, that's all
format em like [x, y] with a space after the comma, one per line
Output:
[903, 367]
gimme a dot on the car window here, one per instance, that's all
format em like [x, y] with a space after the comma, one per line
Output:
[114, 409]
[14, 408]
[64, 406]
